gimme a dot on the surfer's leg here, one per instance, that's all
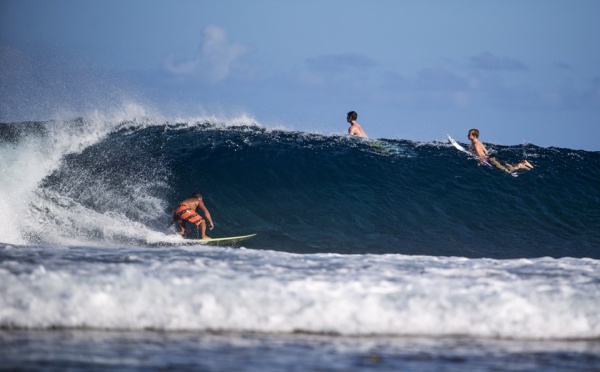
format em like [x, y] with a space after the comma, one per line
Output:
[191, 231]
[181, 228]
[496, 163]
[202, 228]
[524, 164]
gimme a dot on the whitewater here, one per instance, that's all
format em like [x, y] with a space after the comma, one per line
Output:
[379, 254]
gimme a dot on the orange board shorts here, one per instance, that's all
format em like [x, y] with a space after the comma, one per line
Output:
[183, 213]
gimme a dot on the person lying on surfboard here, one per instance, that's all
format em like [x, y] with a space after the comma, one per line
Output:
[191, 224]
[479, 149]
[355, 129]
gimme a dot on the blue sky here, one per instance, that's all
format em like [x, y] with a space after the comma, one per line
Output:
[520, 71]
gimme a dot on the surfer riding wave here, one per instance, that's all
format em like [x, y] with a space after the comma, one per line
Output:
[191, 224]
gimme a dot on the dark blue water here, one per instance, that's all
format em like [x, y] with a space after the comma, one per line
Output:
[370, 254]
[158, 351]
[310, 193]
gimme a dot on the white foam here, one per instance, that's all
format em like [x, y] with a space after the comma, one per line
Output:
[25, 164]
[245, 290]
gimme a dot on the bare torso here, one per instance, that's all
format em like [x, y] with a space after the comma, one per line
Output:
[356, 130]
[479, 149]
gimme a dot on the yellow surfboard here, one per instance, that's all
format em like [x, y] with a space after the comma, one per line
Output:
[218, 241]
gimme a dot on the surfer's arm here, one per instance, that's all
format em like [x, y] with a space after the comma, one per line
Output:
[206, 214]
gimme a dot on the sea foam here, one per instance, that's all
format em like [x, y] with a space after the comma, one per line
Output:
[266, 291]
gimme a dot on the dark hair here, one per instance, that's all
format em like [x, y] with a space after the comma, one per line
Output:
[475, 132]
[196, 194]
[353, 115]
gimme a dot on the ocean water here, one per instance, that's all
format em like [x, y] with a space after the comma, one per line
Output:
[380, 254]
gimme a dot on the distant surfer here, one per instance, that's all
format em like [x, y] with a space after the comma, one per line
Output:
[355, 129]
[189, 221]
[479, 149]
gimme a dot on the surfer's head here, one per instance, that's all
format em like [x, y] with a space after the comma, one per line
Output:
[352, 116]
[474, 133]
[196, 194]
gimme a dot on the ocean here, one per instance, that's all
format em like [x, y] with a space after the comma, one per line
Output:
[381, 254]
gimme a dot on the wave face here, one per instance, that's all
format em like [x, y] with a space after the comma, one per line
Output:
[113, 182]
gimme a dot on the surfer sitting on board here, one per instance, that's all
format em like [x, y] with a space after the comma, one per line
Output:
[188, 220]
[355, 129]
[479, 149]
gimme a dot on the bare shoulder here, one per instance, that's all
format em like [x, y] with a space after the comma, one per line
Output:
[356, 130]
[191, 202]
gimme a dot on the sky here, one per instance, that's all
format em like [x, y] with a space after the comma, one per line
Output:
[520, 71]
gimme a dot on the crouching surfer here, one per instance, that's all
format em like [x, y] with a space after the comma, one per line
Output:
[191, 224]
[479, 149]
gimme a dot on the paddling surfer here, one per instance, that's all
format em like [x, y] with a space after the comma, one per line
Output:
[479, 149]
[355, 129]
[186, 216]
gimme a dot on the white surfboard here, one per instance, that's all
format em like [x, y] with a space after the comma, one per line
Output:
[459, 147]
